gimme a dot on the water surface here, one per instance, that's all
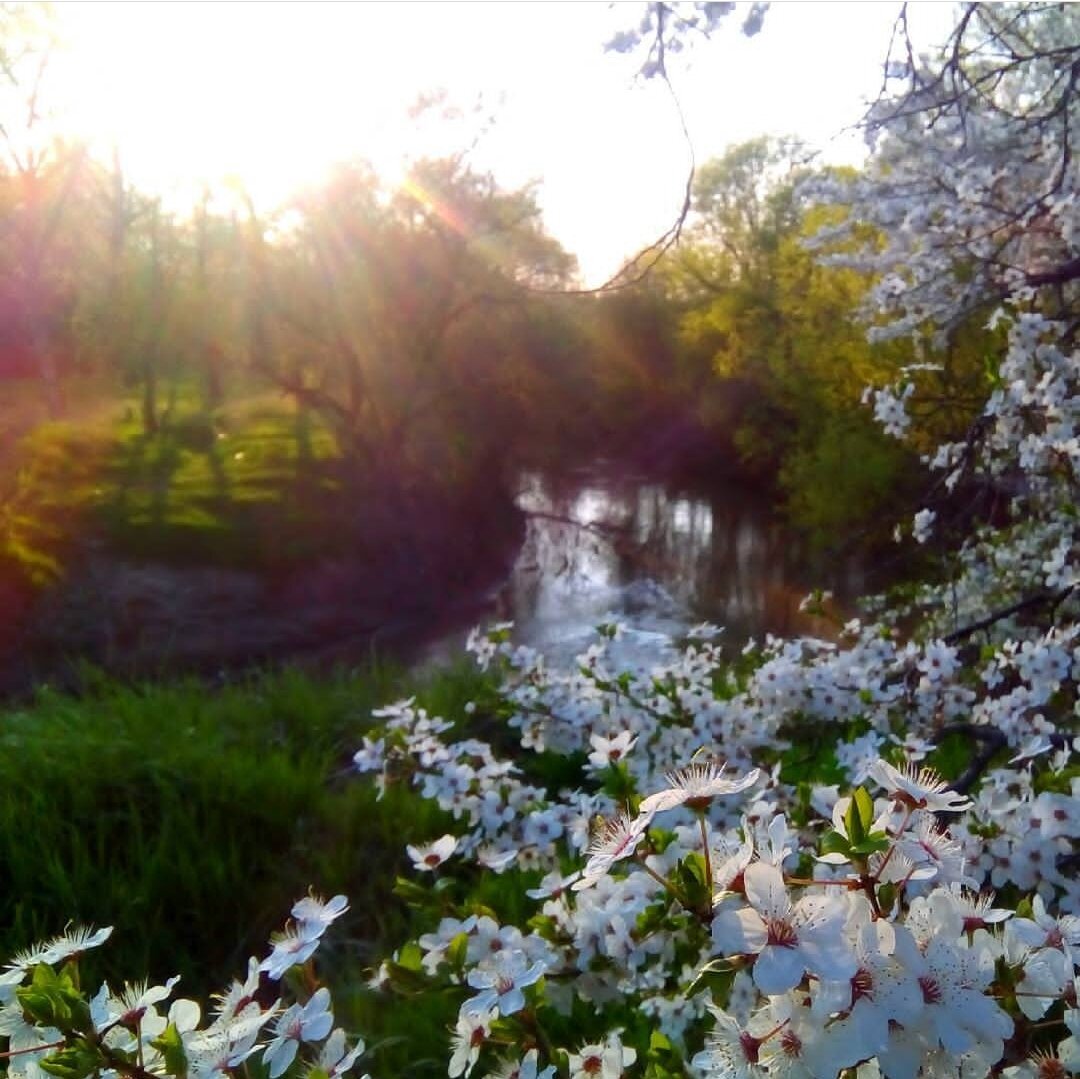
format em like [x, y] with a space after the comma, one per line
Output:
[660, 558]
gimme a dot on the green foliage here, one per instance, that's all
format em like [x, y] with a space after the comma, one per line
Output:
[54, 1000]
[252, 485]
[843, 471]
[58, 483]
[789, 356]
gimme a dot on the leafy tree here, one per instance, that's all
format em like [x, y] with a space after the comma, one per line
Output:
[778, 330]
[383, 311]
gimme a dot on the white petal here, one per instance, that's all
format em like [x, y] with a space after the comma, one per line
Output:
[777, 969]
[765, 889]
[738, 932]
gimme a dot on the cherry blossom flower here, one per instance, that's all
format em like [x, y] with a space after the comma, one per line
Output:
[695, 787]
[730, 1052]
[553, 885]
[27, 1042]
[1043, 930]
[314, 915]
[881, 993]
[977, 910]
[787, 939]
[528, 1067]
[730, 858]
[602, 1060]
[226, 1044]
[931, 853]
[310, 1022]
[608, 751]
[616, 840]
[923, 524]
[239, 994]
[919, 789]
[958, 1015]
[130, 1008]
[59, 949]
[1040, 1064]
[290, 948]
[429, 857]
[334, 1058]
[470, 1035]
[502, 980]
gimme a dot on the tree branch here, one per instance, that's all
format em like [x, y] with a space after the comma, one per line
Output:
[1042, 599]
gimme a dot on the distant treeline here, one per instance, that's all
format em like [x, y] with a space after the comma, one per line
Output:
[434, 333]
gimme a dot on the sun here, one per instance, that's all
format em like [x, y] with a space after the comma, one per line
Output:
[265, 95]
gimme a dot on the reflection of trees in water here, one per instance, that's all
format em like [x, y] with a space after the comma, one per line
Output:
[636, 548]
[565, 563]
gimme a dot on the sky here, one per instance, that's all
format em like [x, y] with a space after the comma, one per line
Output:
[273, 94]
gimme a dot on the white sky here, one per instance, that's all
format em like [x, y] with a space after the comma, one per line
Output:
[275, 92]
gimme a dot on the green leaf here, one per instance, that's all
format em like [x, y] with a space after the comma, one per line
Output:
[853, 822]
[171, 1046]
[76, 1061]
[832, 842]
[52, 999]
[692, 869]
[544, 925]
[875, 841]
[619, 785]
[416, 895]
[690, 877]
[411, 957]
[457, 950]
[865, 807]
[406, 980]
[715, 975]
[651, 919]
[886, 896]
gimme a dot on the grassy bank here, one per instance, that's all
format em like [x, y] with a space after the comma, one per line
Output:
[224, 541]
[249, 486]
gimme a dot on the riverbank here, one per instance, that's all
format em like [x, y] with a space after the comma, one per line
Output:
[208, 550]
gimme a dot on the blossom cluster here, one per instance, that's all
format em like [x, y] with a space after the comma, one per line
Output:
[717, 859]
[54, 1028]
[740, 863]
[748, 866]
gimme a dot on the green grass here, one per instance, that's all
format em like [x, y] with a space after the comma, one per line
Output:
[58, 480]
[254, 485]
[191, 820]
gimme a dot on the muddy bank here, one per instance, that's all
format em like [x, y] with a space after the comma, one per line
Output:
[140, 619]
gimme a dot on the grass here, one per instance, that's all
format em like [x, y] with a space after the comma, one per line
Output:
[57, 482]
[191, 820]
[251, 486]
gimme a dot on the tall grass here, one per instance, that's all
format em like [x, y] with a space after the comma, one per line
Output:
[191, 819]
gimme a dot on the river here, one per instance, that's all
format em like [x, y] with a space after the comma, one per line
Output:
[655, 555]
[659, 558]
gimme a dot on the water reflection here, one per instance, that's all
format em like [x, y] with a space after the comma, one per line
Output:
[660, 559]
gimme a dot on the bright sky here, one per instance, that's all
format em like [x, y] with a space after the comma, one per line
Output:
[273, 93]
